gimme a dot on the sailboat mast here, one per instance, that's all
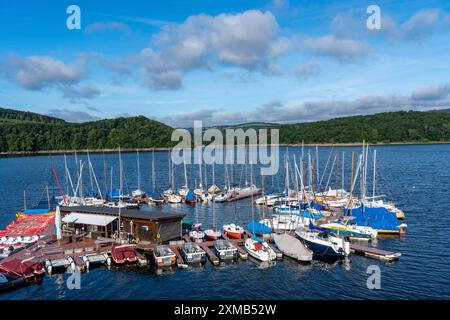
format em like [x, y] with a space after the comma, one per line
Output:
[185, 172]
[200, 166]
[120, 192]
[374, 172]
[351, 183]
[153, 170]
[343, 173]
[138, 170]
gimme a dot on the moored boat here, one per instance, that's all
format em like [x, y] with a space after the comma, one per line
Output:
[192, 253]
[259, 249]
[324, 244]
[122, 254]
[233, 231]
[212, 234]
[225, 250]
[293, 247]
[164, 256]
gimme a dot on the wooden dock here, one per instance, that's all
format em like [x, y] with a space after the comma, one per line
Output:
[211, 256]
[243, 254]
[375, 253]
[180, 261]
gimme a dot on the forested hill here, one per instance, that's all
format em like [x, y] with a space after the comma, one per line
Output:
[401, 126]
[26, 131]
[32, 132]
[10, 115]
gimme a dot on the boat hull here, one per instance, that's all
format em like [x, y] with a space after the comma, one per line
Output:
[324, 250]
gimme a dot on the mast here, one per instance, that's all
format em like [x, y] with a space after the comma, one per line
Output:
[120, 192]
[185, 172]
[317, 164]
[200, 167]
[374, 172]
[351, 183]
[24, 200]
[153, 170]
[342, 173]
[138, 170]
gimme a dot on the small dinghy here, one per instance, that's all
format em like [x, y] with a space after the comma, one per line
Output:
[192, 253]
[259, 249]
[292, 247]
[23, 268]
[196, 235]
[164, 256]
[123, 254]
[174, 198]
[212, 234]
[225, 250]
[233, 231]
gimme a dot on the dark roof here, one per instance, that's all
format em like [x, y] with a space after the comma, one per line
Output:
[125, 213]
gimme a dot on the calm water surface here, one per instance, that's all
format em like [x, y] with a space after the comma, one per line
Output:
[417, 178]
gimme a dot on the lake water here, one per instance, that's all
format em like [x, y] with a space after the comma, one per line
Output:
[415, 177]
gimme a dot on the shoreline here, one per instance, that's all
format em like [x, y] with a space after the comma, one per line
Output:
[161, 149]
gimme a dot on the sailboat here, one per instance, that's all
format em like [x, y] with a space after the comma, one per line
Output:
[199, 191]
[196, 233]
[233, 231]
[213, 189]
[169, 191]
[212, 233]
[155, 197]
[323, 243]
[257, 247]
[183, 191]
[344, 228]
[138, 193]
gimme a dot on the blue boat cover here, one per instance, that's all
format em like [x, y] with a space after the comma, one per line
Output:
[318, 206]
[377, 218]
[190, 196]
[258, 228]
[36, 211]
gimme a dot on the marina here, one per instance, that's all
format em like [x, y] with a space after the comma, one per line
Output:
[90, 238]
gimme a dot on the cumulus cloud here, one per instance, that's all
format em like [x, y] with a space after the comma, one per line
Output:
[38, 72]
[248, 40]
[72, 115]
[343, 49]
[276, 111]
[107, 26]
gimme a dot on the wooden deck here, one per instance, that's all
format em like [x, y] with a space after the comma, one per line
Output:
[375, 253]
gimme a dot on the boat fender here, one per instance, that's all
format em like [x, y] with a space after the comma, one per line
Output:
[346, 248]
[49, 269]
[108, 261]
[87, 264]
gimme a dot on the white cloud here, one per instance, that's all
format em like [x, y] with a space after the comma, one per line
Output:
[248, 40]
[38, 72]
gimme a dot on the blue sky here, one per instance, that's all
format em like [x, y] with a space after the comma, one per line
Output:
[223, 61]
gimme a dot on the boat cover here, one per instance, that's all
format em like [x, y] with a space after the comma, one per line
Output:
[292, 247]
[90, 219]
[258, 228]
[377, 218]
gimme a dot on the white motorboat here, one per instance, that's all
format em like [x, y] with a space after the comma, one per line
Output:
[260, 250]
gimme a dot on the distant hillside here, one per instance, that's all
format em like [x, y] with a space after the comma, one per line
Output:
[25, 131]
[10, 115]
[411, 126]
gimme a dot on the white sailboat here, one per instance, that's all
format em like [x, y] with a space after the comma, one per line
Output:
[138, 193]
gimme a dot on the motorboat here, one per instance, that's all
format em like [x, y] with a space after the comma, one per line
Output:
[164, 256]
[259, 249]
[192, 253]
[122, 254]
[225, 250]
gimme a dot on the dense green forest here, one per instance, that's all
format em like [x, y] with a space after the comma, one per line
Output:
[26, 131]
[401, 126]
[31, 132]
